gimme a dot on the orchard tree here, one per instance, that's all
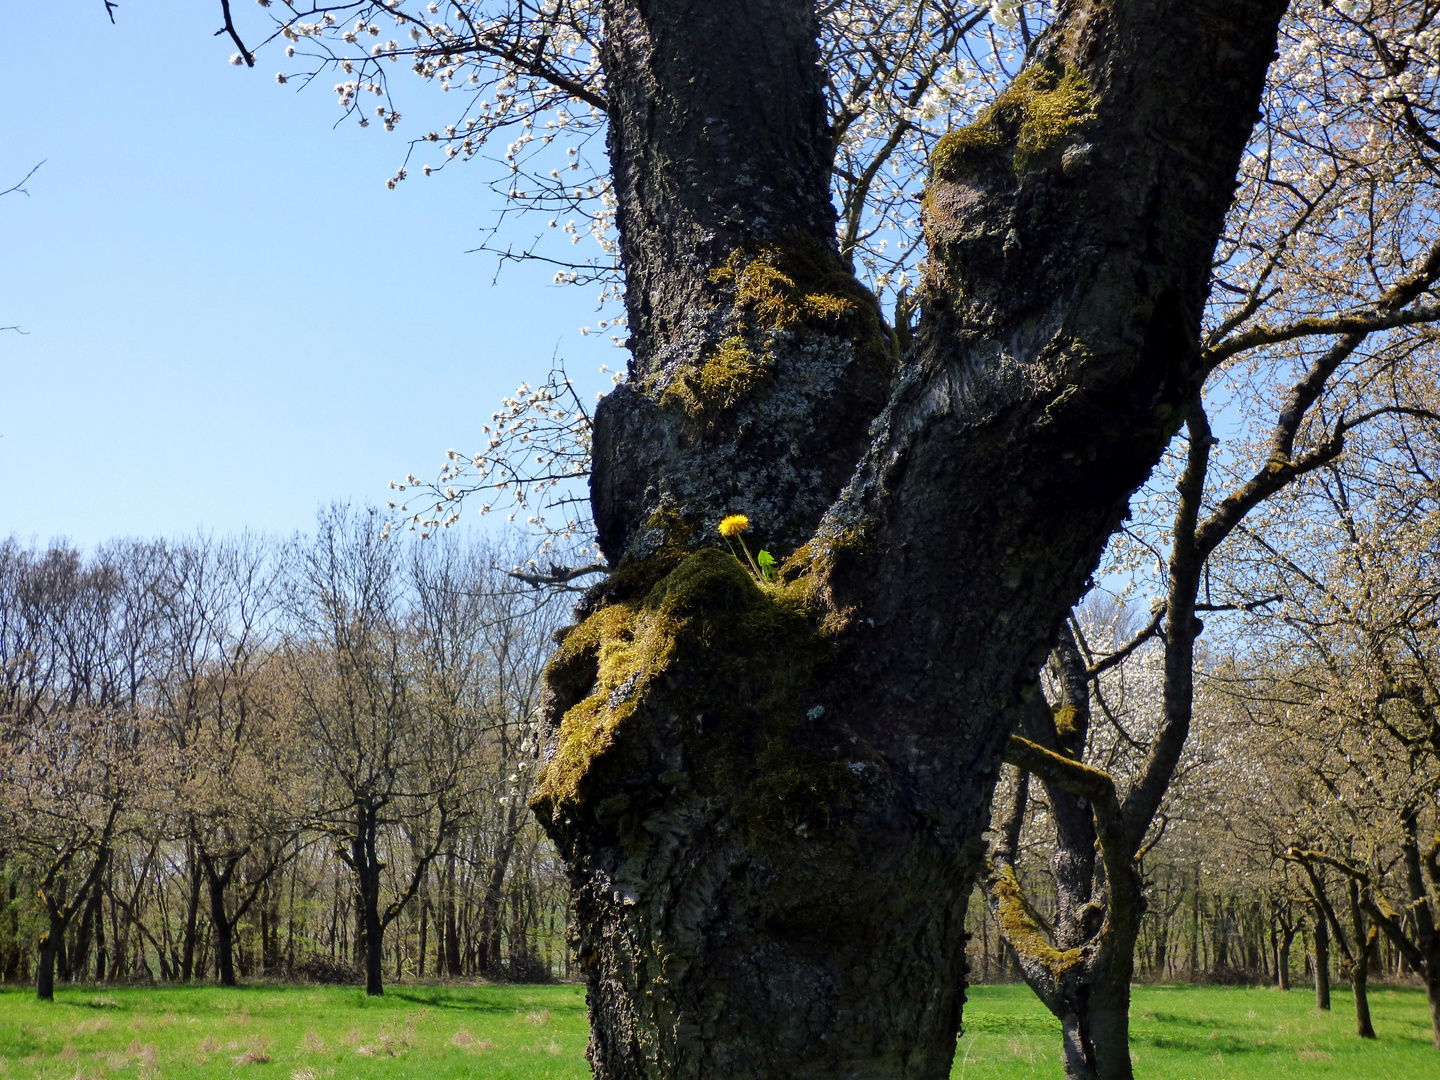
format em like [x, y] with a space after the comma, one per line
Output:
[235, 793]
[76, 726]
[391, 751]
[1351, 656]
[770, 793]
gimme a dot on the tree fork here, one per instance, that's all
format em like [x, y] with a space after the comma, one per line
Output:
[770, 797]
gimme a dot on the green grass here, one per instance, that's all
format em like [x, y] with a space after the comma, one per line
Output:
[1210, 1033]
[538, 1033]
[306, 1033]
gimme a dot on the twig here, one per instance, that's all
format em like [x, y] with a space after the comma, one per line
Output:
[229, 28]
[20, 187]
[560, 575]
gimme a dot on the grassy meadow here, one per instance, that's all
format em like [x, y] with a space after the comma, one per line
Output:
[538, 1033]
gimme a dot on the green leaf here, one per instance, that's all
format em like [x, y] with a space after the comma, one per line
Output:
[767, 565]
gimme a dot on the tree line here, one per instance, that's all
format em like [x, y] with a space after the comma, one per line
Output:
[245, 757]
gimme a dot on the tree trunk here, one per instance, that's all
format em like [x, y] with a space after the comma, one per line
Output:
[101, 955]
[51, 942]
[1282, 959]
[374, 954]
[770, 800]
[79, 965]
[494, 891]
[1360, 963]
[451, 936]
[224, 930]
[366, 864]
[1322, 960]
[192, 915]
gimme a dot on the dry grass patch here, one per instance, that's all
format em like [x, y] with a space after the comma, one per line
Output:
[313, 1043]
[539, 1019]
[257, 1053]
[466, 1041]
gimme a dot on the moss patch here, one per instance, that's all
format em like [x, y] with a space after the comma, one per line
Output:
[1033, 117]
[1065, 718]
[782, 289]
[1022, 929]
[722, 380]
[727, 662]
[791, 287]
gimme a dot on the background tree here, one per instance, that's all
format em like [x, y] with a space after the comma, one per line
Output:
[1357, 632]
[391, 753]
[240, 784]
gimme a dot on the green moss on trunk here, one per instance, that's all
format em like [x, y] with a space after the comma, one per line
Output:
[1031, 119]
[730, 663]
[1022, 930]
[794, 288]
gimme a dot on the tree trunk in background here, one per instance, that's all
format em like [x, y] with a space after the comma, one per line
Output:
[494, 891]
[452, 929]
[365, 863]
[51, 942]
[771, 802]
[79, 965]
[101, 955]
[1084, 976]
[224, 930]
[1322, 960]
[192, 914]
[1364, 938]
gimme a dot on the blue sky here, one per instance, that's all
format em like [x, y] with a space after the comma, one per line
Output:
[230, 320]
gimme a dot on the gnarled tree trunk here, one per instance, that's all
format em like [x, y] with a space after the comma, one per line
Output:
[770, 797]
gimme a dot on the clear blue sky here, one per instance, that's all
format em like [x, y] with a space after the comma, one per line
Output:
[230, 320]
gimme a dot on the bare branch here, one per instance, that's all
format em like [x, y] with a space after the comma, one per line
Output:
[20, 187]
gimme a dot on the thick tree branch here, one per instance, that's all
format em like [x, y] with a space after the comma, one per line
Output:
[1075, 777]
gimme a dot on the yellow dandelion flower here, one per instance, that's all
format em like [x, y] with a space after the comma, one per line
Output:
[734, 525]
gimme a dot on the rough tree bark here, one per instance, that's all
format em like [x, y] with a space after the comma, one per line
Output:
[770, 797]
